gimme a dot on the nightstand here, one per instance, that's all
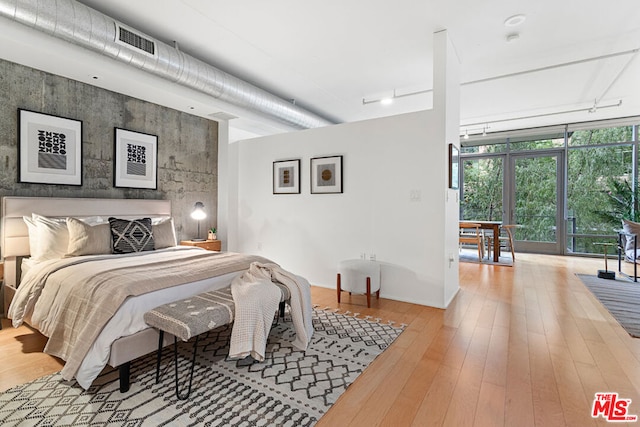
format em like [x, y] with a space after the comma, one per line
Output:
[210, 245]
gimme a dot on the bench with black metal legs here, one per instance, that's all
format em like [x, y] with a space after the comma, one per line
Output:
[193, 316]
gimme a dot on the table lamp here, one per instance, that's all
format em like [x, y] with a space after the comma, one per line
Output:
[198, 214]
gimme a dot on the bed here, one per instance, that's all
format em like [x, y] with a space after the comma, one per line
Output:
[125, 336]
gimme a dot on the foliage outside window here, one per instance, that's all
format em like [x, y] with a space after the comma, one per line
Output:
[599, 188]
[601, 136]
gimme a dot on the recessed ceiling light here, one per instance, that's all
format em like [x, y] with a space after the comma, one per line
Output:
[386, 101]
[514, 20]
[512, 37]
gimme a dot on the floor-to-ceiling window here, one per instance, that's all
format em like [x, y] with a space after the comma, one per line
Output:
[566, 187]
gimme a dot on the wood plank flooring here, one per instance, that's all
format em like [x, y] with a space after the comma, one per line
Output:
[519, 346]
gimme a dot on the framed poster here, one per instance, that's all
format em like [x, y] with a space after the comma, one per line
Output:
[326, 175]
[286, 177]
[454, 167]
[49, 149]
[135, 160]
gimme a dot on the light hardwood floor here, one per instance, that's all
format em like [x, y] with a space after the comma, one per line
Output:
[520, 346]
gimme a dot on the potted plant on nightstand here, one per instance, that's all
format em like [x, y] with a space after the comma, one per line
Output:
[211, 235]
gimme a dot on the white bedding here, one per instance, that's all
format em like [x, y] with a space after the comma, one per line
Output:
[129, 320]
[126, 321]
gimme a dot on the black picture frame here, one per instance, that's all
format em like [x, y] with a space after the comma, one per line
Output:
[454, 167]
[135, 160]
[286, 176]
[49, 149]
[326, 175]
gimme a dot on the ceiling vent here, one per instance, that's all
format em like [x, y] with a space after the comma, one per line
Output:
[130, 38]
[90, 29]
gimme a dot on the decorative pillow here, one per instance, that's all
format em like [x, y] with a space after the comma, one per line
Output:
[633, 228]
[87, 239]
[131, 236]
[53, 237]
[164, 235]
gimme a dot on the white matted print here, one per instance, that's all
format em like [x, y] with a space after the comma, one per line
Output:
[136, 160]
[49, 149]
[326, 174]
[286, 177]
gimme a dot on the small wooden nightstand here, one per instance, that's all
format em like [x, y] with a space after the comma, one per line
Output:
[210, 245]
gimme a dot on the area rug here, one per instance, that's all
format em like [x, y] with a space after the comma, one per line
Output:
[620, 297]
[471, 255]
[290, 388]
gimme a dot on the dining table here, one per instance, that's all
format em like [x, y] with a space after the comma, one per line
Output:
[495, 226]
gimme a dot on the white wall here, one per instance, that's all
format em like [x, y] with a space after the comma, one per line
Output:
[396, 202]
[446, 106]
[385, 161]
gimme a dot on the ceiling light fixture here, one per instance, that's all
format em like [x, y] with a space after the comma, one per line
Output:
[389, 99]
[512, 37]
[592, 109]
[515, 20]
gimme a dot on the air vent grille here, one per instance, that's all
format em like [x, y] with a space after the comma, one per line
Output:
[137, 41]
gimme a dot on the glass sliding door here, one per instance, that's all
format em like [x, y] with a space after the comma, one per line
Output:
[535, 202]
[567, 186]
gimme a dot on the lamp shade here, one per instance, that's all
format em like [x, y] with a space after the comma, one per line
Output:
[198, 212]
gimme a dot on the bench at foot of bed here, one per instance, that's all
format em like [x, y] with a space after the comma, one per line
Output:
[191, 317]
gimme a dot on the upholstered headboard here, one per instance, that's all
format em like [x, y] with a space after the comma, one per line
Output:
[14, 234]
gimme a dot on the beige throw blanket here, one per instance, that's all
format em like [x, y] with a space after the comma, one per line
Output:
[74, 311]
[256, 300]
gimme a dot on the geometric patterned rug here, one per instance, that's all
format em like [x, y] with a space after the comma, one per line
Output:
[290, 388]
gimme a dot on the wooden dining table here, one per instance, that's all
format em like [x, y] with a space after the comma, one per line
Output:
[495, 226]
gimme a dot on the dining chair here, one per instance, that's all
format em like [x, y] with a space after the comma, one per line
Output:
[506, 239]
[471, 234]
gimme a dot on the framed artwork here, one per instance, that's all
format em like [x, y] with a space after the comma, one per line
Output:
[326, 175]
[454, 167]
[49, 149]
[286, 177]
[135, 160]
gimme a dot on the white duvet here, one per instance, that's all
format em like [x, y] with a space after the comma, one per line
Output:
[126, 321]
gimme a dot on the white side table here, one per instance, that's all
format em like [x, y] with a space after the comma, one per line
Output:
[359, 276]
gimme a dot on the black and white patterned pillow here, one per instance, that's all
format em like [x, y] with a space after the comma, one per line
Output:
[131, 236]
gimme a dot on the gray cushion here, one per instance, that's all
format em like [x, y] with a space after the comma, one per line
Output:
[192, 316]
[131, 236]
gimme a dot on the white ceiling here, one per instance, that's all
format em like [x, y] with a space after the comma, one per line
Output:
[329, 56]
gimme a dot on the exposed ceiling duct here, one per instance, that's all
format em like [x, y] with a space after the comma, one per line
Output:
[86, 27]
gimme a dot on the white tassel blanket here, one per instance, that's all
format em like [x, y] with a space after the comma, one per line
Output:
[256, 300]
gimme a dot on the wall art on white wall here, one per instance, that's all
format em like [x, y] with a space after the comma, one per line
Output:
[286, 177]
[135, 160]
[326, 175]
[49, 149]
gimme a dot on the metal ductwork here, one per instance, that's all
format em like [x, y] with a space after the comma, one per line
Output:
[86, 27]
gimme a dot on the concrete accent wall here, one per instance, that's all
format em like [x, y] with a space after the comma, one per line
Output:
[187, 144]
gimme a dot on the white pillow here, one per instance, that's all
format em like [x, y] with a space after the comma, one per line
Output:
[164, 235]
[32, 227]
[87, 239]
[53, 237]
